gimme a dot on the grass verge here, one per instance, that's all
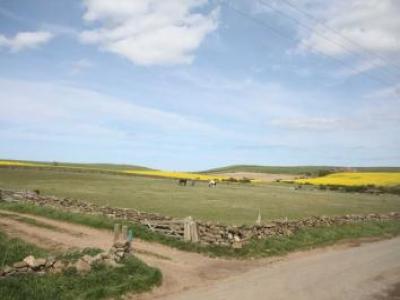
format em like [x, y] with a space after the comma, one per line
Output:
[301, 240]
[13, 250]
[101, 282]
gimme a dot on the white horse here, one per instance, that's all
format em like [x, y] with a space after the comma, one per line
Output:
[212, 183]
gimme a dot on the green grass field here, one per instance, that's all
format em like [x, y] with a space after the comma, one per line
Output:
[234, 204]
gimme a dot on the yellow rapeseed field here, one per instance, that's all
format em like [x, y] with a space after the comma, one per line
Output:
[20, 164]
[153, 173]
[176, 175]
[355, 179]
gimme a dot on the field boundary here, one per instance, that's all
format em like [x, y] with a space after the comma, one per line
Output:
[207, 233]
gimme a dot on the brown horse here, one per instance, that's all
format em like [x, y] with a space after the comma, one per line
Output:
[182, 181]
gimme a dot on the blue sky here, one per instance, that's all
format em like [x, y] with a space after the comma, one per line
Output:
[195, 84]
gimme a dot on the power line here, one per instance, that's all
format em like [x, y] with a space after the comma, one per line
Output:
[344, 47]
[354, 43]
[283, 36]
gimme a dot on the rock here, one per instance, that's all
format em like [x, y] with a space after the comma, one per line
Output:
[58, 267]
[120, 254]
[82, 266]
[87, 258]
[34, 263]
[20, 264]
[237, 245]
[23, 270]
[97, 258]
[39, 263]
[120, 244]
[104, 255]
[8, 271]
[111, 263]
[50, 262]
[29, 260]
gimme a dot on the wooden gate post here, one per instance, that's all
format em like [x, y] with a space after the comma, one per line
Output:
[194, 232]
[190, 232]
[186, 229]
[258, 221]
[116, 232]
[124, 233]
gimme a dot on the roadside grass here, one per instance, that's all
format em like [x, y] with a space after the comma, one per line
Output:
[101, 282]
[302, 240]
[13, 250]
[229, 203]
[310, 238]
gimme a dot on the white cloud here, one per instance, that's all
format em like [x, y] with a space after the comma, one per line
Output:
[362, 31]
[25, 40]
[58, 109]
[149, 32]
[372, 24]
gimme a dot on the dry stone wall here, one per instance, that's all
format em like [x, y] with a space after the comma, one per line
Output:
[41, 266]
[208, 233]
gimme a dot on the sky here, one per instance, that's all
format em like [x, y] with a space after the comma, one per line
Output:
[196, 84]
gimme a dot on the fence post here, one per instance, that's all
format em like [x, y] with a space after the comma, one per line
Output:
[124, 232]
[194, 232]
[186, 229]
[116, 232]
[258, 221]
[190, 232]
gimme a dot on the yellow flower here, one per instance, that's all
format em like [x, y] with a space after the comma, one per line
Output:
[355, 179]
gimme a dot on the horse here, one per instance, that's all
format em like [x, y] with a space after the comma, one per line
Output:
[212, 183]
[182, 181]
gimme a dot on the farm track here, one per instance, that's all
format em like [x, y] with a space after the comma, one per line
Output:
[181, 270]
[353, 270]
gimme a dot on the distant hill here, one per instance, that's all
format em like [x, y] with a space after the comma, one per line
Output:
[297, 170]
[105, 166]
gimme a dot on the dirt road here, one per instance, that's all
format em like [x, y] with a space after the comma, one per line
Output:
[361, 271]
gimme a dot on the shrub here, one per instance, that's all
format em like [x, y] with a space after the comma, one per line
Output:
[324, 172]
[245, 180]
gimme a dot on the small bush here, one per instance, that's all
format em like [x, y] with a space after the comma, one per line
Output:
[324, 172]
[334, 187]
[245, 180]
[230, 179]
